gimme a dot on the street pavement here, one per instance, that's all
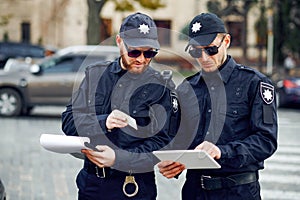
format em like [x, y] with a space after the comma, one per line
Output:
[30, 172]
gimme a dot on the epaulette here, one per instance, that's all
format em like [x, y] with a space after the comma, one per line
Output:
[249, 69]
[243, 67]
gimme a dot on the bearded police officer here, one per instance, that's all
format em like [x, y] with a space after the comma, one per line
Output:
[235, 123]
[111, 98]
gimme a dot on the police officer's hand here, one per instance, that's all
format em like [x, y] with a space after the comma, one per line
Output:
[169, 169]
[105, 157]
[210, 148]
[115, 120]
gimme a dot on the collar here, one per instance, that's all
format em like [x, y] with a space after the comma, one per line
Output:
[116, 66]
[224, 73]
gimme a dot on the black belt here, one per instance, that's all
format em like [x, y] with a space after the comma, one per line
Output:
[214, 183]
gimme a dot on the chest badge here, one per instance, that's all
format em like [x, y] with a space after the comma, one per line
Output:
[267, 92]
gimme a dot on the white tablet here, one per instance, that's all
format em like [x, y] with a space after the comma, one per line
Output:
[192, 159]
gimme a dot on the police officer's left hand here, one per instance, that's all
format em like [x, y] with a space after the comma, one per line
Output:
[105, 157]
[116, 120]
[170, 169]
[210, 148]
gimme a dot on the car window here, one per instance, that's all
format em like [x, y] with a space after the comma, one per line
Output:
[78, 61]
[63, 65]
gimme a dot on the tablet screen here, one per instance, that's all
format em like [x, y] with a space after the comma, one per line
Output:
[192, 159]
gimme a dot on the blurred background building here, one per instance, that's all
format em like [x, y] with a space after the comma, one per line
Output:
[62, 23]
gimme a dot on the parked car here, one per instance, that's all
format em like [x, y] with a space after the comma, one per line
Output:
[51, 81]
[19, 50]
[2, 191]
[17, 64]
[288, 92]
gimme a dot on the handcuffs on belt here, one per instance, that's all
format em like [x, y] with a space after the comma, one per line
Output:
[130, 180]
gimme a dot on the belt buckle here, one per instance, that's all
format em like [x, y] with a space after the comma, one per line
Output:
[97, 172]
[202, 181]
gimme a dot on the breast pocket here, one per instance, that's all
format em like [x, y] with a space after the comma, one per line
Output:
[236, 122]
[98, 103]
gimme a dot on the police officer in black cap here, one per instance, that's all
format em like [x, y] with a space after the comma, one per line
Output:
[124, 107]
[235, 123]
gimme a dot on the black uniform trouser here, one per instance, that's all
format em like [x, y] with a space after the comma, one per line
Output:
[92, 187]
[193, 190]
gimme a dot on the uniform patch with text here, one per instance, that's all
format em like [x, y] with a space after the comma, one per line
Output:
[174, 101]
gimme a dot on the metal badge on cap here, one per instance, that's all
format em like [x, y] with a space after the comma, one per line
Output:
[144, 29]
[196, 27]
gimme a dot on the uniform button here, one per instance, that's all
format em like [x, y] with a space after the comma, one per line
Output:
[134, 111]
[89, 101]
[212, 88]
[120, 85]
[207, 133]
[237, 93]
[114, 106]
[235, 112]
[209, 110]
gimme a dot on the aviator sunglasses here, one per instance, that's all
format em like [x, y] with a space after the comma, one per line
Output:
[134, 53]
[211, 50]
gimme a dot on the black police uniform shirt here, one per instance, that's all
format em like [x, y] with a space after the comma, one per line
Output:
[145, 97]
[236, 111]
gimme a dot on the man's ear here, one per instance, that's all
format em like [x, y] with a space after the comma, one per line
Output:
[227, 40]
[118, 40]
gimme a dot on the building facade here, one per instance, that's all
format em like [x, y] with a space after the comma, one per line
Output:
[62, 23]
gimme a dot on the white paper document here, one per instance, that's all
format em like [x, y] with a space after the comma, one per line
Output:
[192, 159]
[131, 121]
[63, 143]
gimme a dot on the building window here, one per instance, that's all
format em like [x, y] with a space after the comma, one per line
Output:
[164, 32]
[235, 30]
[25, 27]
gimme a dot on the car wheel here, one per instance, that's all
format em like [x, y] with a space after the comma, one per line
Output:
[10, 102]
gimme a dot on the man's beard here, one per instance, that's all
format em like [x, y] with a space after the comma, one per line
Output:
[127, 65]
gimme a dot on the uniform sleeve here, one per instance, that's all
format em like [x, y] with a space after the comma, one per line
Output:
[261, 143]
[77, 120]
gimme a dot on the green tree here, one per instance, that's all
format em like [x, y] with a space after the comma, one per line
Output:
[261, 28]
[4, 21]
[286, 29]
[94, 11]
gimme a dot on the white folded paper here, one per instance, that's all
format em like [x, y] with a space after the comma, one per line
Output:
[131, 121]
[63, 143]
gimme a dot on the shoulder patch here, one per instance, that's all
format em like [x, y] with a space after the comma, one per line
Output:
[267, 92]
[174, 101]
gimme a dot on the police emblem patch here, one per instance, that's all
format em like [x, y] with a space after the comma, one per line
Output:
[267, 92]
[144, 28]
[196, 27]
[174, 101]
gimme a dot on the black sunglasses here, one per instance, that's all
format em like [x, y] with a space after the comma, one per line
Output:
[134, 53]
[212, 50]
